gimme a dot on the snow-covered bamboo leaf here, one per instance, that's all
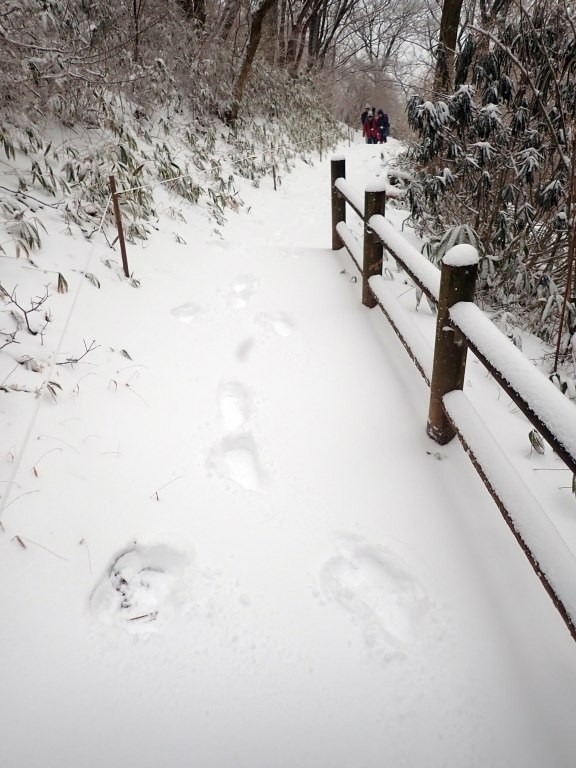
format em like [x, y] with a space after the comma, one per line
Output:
[62, 284]
[92, 278]
[536, 441]
[53, 387]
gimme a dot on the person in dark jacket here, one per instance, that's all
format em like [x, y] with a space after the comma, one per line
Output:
[383, 126]
[370, 130]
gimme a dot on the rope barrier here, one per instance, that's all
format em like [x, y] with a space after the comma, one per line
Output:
[153, 185]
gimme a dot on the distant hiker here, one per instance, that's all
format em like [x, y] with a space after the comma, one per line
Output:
[364, 114]
[383, 126]
[370, 129]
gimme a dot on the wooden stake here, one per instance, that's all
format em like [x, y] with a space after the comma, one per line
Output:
[118, 217]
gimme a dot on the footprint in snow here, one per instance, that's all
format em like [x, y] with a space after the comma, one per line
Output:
[380, 591]
[187, 313]
[143, 587]
[235, 458]
[234, 405]
[241, 291]
[244, 349]
[279, 323]
[226, 245]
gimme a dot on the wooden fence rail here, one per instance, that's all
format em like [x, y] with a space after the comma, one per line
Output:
[460, 326]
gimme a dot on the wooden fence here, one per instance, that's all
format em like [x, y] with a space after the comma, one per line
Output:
[461, 325]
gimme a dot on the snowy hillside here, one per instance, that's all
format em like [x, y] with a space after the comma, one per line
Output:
[227, 541]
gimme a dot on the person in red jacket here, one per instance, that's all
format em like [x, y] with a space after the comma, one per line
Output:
[370, 129]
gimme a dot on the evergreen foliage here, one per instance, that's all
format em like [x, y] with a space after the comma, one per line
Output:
[497, 163]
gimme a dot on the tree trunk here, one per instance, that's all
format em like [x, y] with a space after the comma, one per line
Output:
[230, 12]
[444, 72]
[313, 37]
[137, 10]
[281, 42]
[252, 46]
[297, 35]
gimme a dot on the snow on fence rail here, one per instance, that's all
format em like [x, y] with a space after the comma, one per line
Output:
[460, 326]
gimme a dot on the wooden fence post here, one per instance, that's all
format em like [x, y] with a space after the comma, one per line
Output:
[337, 170]
[118, 217]
[273, 164]
[457, 283]
[374, 203]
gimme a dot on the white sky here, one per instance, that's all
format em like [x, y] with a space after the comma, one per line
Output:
[307, 580]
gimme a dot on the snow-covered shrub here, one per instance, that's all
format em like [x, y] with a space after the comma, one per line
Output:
[497, 156]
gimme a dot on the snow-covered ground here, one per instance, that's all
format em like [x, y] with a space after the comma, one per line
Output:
[228, 541]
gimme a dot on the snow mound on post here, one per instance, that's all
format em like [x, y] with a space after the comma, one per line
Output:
[461, 255]
[378, 185]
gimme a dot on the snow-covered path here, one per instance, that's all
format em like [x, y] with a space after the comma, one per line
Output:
[257, 557]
